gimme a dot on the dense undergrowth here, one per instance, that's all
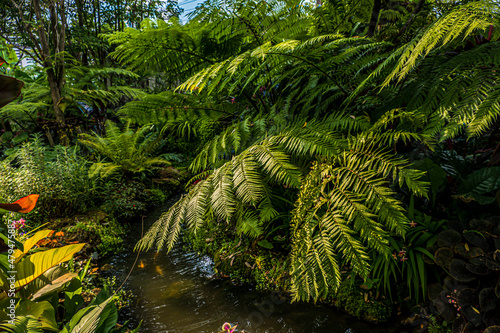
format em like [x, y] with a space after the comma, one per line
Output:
[346, 153]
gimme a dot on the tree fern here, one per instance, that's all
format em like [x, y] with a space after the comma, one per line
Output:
[128, 151]
[452, 94]
[458, 24]
[345, 206]
[314, 108]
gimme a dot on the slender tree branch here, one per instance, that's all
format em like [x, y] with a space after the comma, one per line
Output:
[408, 23]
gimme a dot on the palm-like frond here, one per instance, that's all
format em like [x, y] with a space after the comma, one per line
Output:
[345, 206]
[292, 98]
[129, 151]
[460, 23]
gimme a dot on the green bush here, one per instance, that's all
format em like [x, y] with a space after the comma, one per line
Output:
[58, 174]
[125, 200]
[155, 197]
[360, 303]
[108, 233]
[439, 327]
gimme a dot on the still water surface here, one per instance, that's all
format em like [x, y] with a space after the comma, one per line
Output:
[177, 293]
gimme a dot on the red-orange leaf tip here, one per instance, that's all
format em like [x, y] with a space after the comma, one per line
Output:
[23, 205]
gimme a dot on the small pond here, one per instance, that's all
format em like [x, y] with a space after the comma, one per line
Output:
[178, 293]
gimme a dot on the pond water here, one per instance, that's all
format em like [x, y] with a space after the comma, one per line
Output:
[178, 293]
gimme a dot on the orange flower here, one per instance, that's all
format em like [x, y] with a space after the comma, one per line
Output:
[43, 242]
[60, 234]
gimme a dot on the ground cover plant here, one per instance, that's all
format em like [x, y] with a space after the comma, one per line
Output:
[346, 152]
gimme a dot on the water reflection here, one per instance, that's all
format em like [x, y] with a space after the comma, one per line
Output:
[176, 293]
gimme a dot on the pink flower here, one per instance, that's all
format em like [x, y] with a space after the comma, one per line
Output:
[227, 328]
[21, 223]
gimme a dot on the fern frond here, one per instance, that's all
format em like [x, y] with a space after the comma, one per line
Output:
[460, 23]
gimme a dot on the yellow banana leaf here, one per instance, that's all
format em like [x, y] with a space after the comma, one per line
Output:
[36, 264]
[29, 243]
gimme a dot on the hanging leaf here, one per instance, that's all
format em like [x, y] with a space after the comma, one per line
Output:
[55, 285]
[50, 278]
[480, 183]
[10, 88]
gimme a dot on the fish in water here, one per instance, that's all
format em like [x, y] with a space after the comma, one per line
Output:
[141, 264]
[177, 289]
[159, 270]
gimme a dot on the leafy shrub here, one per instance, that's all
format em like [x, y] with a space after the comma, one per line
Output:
[438, 327]
[108, 231]
[125, 199]
[93, 284]
[58, 174]
[358, 302]
[411, 262]
[155, 196]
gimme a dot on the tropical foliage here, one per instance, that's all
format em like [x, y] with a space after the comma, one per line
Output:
[306, 112]
[339, 138]
[128, 151]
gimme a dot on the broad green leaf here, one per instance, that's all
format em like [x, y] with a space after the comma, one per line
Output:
[46, 279]
[265, 244]
[56, 285]
[36, 264]
[478, 184]
[20, 138]
[42, 311]
[86, 320]
[23, 325]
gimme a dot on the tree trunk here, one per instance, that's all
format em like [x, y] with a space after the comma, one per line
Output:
[377, 4]
[80, 5]
[54, 68]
